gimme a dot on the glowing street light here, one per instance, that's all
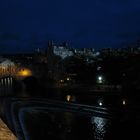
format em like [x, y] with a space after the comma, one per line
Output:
[68, 78]
[68, 97]
[100, 102]
[124, 102]
[100, 79]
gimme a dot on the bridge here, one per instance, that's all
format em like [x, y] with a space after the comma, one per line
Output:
[8, 75]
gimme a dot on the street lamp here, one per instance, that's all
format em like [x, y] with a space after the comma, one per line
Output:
[100, 79]
[68, 78]
[100, 102]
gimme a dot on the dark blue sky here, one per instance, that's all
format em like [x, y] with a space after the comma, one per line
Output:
[27, 24]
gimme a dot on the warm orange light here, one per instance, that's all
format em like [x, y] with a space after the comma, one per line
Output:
[25, 72]
[124, 102]
[68, 97]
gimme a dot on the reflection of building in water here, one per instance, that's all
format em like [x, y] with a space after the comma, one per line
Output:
[6, 85]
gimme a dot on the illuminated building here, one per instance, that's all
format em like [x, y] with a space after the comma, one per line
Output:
[7, 67]
[59, 55]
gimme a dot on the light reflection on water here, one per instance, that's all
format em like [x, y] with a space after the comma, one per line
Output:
[80, 127]
[99, 127]
[6, 86]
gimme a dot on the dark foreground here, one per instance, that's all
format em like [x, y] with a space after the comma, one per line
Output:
[37, 118]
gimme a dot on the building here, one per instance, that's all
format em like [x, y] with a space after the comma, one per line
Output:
[7, 67]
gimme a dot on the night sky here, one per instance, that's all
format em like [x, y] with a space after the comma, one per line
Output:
[28, 24]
